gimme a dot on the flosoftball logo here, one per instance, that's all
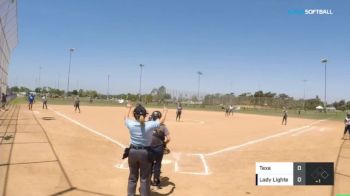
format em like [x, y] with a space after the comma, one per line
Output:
[312, 12]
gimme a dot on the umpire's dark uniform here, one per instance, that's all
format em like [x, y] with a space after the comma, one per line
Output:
[157, 146]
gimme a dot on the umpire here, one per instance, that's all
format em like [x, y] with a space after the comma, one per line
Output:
[141, 137]
[161, 137]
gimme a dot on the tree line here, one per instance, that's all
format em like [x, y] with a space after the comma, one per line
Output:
[258, 98]
[270, 99]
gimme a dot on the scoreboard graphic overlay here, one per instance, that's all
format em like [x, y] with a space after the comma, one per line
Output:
[294, 173]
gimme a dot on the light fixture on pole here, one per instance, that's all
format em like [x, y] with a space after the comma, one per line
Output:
[71, 50]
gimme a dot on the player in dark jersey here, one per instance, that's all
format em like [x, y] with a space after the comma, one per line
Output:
[178, 111]
[3, 101]
[347, 125]
[161, 137]
[285, 116]
[31, 99]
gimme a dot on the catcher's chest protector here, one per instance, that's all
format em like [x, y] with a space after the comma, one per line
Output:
[159, 132]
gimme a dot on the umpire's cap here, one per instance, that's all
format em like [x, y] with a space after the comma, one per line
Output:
[156, 115]
[139, 111]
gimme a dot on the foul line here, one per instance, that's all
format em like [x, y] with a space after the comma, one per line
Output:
[261, 139]
[303, 131]
[90, 129]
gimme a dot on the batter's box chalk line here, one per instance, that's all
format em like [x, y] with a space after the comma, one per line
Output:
[175, 160]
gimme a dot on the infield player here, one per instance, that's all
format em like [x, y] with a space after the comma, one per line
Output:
[138, 159]
[231, 109]
[44, 100]
[77, 104]
[161, 137]
[227, 111]
[178, 111]
[285, 116]
[30, 101]
[347, 125]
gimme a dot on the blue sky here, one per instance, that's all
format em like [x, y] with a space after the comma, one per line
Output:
[240, 46]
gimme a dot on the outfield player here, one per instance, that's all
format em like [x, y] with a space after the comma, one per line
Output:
[161, 137]
[285, 116]
[347, 125]
[138, 158]
[178, 111]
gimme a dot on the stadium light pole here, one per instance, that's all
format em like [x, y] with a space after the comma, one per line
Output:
[58, 81]
[304, 81]
[71, 50]
[199, 83]
[141, 66]
[108, 86]
[325, 61]
[39, 77]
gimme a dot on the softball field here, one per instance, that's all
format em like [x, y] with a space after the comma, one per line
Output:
[58, 151]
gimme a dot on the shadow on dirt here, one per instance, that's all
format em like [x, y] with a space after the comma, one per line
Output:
[48, 118]
[165, 183]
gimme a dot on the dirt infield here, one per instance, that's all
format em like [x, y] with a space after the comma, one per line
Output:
[211, 154]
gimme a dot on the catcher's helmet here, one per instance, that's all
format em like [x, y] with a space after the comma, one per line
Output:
[156, 115]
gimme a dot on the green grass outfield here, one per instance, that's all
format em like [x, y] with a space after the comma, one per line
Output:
[311, 114]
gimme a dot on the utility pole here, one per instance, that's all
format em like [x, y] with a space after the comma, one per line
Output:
[71, 50]
[141, 66]
[325, 61]
[199, 83]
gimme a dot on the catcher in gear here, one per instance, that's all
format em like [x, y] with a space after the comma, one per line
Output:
[161, 137]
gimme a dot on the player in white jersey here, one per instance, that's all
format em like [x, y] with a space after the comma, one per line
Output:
[347, 125]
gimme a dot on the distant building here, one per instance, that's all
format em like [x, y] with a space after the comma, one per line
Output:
[8, 38]
[331, 109]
